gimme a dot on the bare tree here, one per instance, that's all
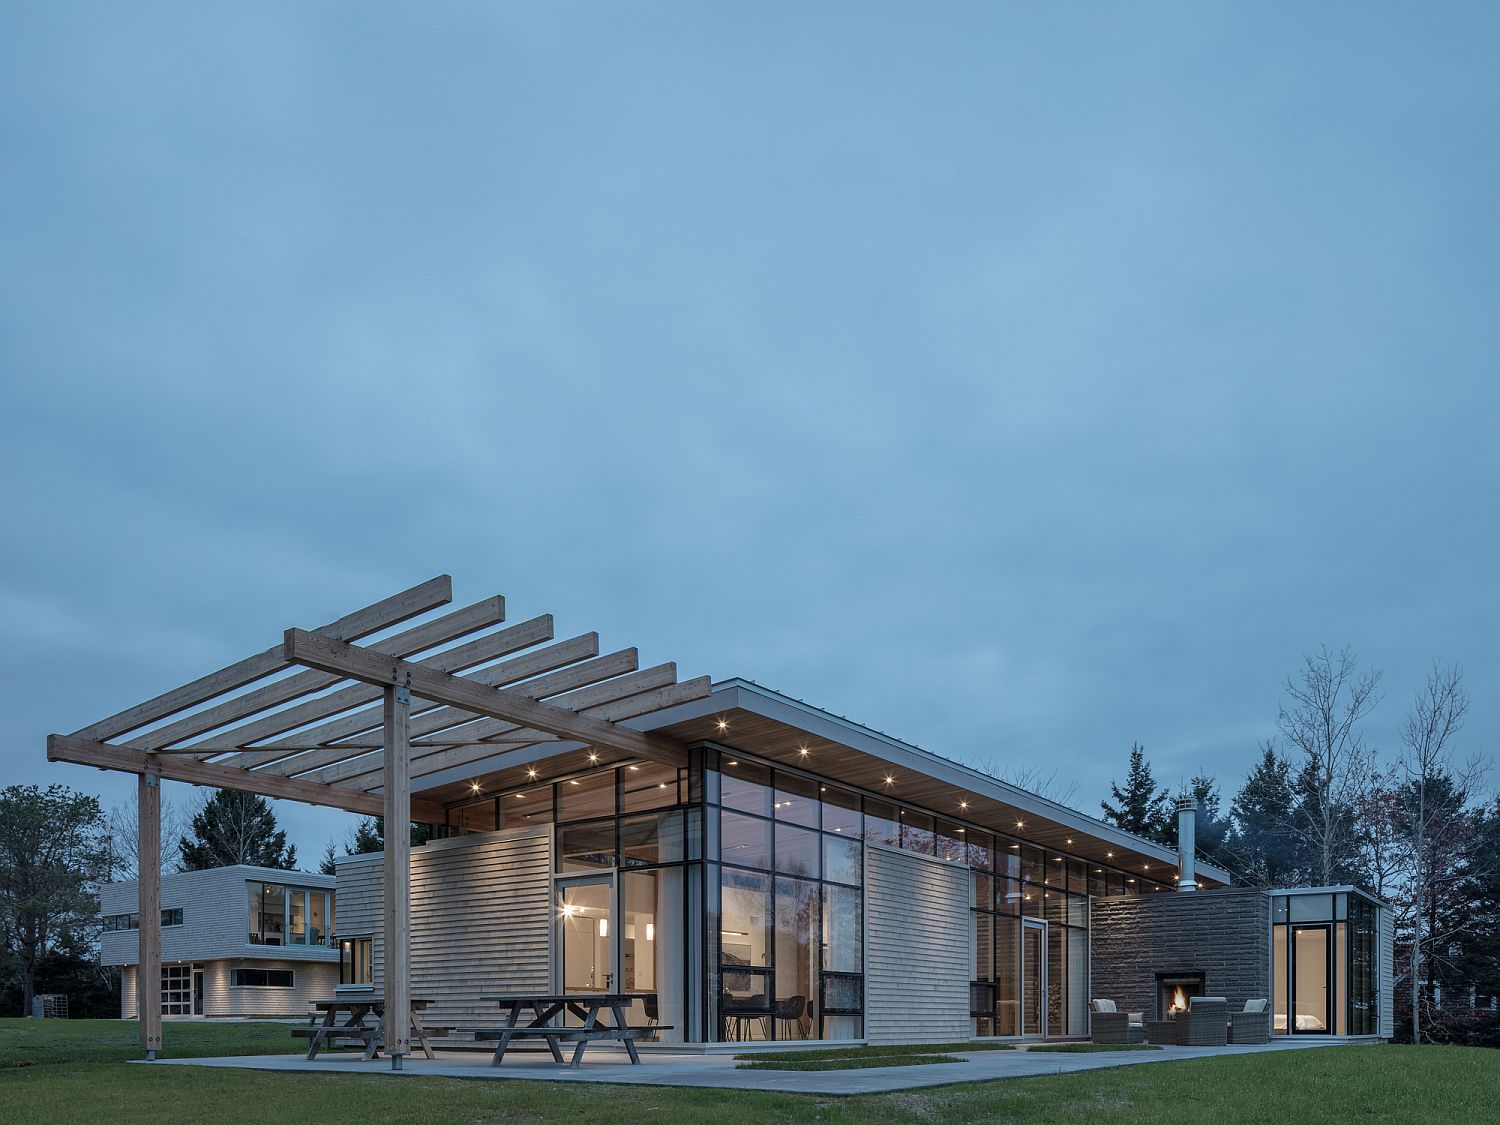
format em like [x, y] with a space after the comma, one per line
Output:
[1328, 701]
[1436, 796]
[1034, 778]
[125, 838]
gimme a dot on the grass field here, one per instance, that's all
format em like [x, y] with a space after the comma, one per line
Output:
[68, 1073]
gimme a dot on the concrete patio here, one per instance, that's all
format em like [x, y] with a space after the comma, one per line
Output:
[719, 1070]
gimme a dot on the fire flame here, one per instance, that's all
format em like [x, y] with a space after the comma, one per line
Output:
[1179, 1000]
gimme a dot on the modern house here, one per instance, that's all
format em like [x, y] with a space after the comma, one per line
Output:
[235, 941]
[806, 878]
[748, 866]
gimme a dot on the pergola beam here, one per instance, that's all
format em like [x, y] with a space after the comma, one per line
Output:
[361, 623]
[478, 651]
[332, 746]
[364, 772]
[429, 634]
[480, 754]
[85, 752]
[317, 651]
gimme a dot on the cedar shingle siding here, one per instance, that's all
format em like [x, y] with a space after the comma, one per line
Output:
[481, 919]
[918, 956]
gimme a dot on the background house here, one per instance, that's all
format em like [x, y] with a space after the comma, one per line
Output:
[236, 941]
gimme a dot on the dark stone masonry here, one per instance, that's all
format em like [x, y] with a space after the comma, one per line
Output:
[1225, 934]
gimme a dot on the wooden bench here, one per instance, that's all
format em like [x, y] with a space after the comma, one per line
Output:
[502, 1037]
[358, 1030]
[545, 1007]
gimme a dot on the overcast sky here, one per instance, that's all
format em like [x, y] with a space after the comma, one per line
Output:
[1020, 382]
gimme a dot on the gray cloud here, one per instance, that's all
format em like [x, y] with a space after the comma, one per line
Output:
[1020, 383]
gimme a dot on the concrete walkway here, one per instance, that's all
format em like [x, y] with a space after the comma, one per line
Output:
[659, 1068]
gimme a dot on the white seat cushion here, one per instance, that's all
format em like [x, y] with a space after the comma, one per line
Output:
[1104, 1005]
[1207, 1000]
[1255, 1005]
[1136, 1019]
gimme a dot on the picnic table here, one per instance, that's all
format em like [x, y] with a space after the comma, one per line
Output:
[357, 1026]
[545, 1007]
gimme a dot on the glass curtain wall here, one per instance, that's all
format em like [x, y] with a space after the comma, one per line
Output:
[1324, 964]
[786, 926]
[1011, 880]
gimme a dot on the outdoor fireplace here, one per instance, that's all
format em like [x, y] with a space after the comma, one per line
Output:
[1173, 990]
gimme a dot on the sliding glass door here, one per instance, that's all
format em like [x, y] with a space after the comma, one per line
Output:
[1311, 997]
[1033, 977]
[586, 938]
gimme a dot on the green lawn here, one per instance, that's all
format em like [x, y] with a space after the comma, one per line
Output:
[80, 1084]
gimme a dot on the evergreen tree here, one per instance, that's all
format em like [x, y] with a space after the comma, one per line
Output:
[1477, 960]
[1262, 812]
[234, 827]
[327, 865]
[369, 836]
[1140, 807]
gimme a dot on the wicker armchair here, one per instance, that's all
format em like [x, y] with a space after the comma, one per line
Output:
[1109, 1025]
[1205, 1023]
[1253, 1025]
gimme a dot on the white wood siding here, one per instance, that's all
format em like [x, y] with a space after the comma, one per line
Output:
[311, 981]
[918, 955]
[1387, 1014]
[481, 921]
[215, 916]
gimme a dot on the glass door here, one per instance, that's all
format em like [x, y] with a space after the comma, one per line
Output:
[1033, 977]
[586, 934]
[1311, 1014]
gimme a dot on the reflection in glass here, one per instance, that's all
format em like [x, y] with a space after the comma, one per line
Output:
[583, 913]
[796, 957]
[797, 851]
[745, 840]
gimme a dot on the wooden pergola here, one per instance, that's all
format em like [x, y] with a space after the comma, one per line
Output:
[323, 720]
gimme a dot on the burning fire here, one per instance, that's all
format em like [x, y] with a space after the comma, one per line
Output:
[1179, 1001]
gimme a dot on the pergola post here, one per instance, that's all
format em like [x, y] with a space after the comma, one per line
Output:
[397, 873]
[148, 908]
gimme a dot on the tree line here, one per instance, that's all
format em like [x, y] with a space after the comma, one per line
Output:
[1320, 807]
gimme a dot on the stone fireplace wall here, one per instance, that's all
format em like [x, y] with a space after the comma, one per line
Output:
[1225, 934]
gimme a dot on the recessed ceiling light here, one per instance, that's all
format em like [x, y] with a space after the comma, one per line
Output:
[593, 757]
[474, 785]
[963, 804]
[1109, 855]
[531, 772]
[803, 751]
[574, 781]
[638, 770]
[723, 724]
[1070, 839]
[890, 779]
[734, 763]
[1020, 824]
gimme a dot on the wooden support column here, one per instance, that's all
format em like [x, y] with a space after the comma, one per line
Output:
[397, 873]
[148, 970]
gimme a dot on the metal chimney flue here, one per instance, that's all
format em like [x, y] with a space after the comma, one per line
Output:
[1187, 843]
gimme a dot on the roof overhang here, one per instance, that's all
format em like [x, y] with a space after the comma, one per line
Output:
[777, 727]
